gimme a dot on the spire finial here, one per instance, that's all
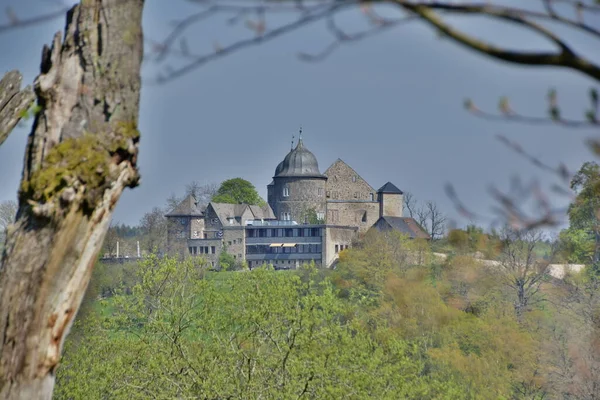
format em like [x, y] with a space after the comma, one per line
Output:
[292, 142]
[300, 135]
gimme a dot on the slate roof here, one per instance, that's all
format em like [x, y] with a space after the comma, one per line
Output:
[299, 162]
[405, 225]
[389, 188]
[226, 211]
[187, 208]
[264, 212]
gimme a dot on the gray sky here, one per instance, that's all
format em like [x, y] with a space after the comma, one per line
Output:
[390, 106]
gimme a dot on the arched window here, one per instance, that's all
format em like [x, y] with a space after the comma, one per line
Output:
[286, 191]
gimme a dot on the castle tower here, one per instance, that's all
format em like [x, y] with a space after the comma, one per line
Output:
[297, 192]
[391, 200]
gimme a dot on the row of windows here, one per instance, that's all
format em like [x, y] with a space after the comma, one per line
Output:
[202, 250]
[284, 232]
[340, 247]
[299, 248]
[286, 191]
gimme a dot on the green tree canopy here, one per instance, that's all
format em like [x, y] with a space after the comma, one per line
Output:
[581, 240]
[238, 191]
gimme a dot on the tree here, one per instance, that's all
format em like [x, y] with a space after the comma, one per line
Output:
[410, 204]
[154, 230]
[110, 241]
[237, 191]
[8, 211]
[436, 220]
[202, 193]
[81, 154]
[519, 269]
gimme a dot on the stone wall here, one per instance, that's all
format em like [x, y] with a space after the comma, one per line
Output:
[303, 194]
[344, 183]
[391, 205]
[196, 228]
[233, 238]
[362, 214]
[178, 230]
[212, 224]
[336, 238]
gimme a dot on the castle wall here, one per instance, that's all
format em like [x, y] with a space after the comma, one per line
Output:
[303, 194]
[233, 238]
[344, 183]
[391, 204]
[336, 239]
[353, 213]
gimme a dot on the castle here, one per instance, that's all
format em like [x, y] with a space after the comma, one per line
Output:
[310, 216]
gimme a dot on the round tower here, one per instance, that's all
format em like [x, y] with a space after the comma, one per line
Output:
[297, 192]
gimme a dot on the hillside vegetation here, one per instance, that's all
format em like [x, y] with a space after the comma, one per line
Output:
[381, 325]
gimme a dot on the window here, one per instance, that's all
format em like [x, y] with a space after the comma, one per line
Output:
[206, 250]
[286, 216]
[337, 248]
[364, 217]
[321, 216]
[191, 249]
[229, 243]
[286, 191]
[212, 249]
[234, 241]
[354, 178]
[372, 196]
[239, 256]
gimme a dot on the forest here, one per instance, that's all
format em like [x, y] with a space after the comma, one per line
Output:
[391, 321]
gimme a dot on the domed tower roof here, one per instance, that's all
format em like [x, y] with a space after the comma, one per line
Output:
[299, 162]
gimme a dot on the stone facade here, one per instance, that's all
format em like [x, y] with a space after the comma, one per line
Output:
[296, 196]
[361, 214]
[391, 204]
[344, 183]
[233, 240]
[337, 238]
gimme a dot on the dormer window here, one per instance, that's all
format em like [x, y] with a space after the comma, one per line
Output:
[286, 191]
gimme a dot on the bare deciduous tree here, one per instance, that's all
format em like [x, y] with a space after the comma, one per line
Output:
[202, 192]
[410, 204]
[154, 230]
[519, 269]
[436, 220]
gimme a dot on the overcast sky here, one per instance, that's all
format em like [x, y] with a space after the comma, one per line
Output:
[390, 106]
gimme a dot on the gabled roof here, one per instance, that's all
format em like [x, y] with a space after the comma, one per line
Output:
[187, 208]
[406, 225]
[264, 212]
[389, 188]
[227, 211]
[344, 164]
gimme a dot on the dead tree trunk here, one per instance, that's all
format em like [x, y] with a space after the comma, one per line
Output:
[13, 102]
[80, 156]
